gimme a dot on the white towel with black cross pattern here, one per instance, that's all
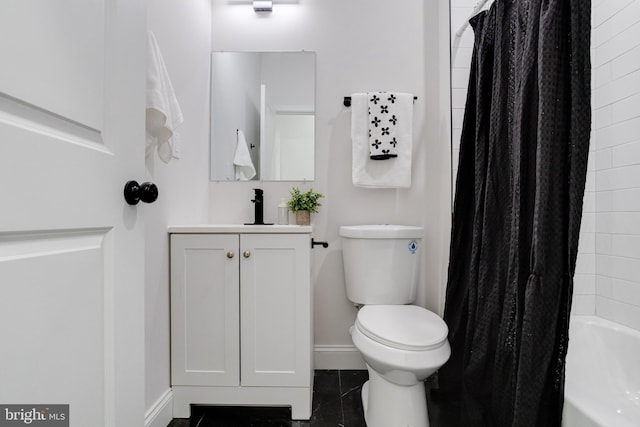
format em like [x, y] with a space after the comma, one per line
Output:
[390, 123]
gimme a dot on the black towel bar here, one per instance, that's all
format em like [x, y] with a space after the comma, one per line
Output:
[347, 101]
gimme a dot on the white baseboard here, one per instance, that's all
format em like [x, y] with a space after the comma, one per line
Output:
[337, 357]
[161, 413]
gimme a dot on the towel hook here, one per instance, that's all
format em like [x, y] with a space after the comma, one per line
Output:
[252, 146]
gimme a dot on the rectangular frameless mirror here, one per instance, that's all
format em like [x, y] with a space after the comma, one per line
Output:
[262, 116]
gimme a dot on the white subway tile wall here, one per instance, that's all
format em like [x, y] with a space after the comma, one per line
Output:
[607, 280]
[616, 141]
[461, 51]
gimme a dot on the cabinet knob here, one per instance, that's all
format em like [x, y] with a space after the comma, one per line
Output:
[230, 254]
[246, 254]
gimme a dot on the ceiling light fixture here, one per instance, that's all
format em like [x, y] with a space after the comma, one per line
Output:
[262, 5]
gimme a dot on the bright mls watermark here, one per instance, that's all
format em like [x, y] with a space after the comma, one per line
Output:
[34, 415]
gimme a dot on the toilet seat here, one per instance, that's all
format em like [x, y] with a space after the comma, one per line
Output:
[404, 327]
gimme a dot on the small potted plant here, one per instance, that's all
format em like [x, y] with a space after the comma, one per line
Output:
[304, 204]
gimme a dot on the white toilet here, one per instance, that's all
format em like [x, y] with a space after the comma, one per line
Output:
[401, 344]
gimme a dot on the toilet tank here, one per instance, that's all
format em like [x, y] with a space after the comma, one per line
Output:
[381, 262]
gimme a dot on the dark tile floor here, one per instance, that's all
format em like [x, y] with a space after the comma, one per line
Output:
[336, 403]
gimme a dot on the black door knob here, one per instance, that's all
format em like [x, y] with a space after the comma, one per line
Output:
[134, 192]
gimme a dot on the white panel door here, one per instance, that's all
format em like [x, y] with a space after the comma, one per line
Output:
[71, 250]
[275, 310]
[205, 318]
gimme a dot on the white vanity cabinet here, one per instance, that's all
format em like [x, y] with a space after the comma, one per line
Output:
[241, 317]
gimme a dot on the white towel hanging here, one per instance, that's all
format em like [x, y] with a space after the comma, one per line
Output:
[242, 162]
[163, 111]
[391, 173]
[387, 112]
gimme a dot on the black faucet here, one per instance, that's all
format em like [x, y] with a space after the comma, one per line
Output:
[258, 202]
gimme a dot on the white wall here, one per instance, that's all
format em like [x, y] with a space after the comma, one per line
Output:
[361, 45]
[616, 140]
[182, 30]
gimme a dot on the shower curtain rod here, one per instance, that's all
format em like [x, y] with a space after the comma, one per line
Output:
[476, 9]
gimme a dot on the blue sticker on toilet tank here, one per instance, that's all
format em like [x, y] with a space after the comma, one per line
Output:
[413, 246]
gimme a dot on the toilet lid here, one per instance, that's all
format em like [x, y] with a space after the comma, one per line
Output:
[406, 327]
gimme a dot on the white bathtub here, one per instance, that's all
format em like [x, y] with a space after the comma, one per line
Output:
[603, 374]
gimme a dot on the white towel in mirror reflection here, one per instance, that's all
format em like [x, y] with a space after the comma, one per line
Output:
[242, 160]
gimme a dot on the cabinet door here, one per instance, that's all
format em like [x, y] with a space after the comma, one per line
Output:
[275, 310]
[205, 309]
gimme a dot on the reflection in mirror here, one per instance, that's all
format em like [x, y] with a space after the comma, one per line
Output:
[269, 99]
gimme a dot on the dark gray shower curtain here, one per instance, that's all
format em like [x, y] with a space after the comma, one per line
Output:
[517, 211]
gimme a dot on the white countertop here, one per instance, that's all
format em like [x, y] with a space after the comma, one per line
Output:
[239, 228]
